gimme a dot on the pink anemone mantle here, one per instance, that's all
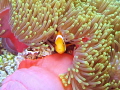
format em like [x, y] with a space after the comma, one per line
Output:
[40, 74]
[10, 40]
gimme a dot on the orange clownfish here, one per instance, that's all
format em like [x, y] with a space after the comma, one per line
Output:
[60, 45]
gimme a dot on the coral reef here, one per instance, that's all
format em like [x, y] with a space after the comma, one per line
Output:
[96, 60]
[7, 64]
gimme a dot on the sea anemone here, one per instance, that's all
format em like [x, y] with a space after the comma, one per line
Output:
[37, 21]
[4, 4]
[92, 60]
[9, 40]
[6, 42]
[96, 59]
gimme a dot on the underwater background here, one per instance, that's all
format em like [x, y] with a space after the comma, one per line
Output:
[87, 30]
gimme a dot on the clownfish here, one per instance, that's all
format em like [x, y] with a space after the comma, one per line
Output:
[60, 45]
